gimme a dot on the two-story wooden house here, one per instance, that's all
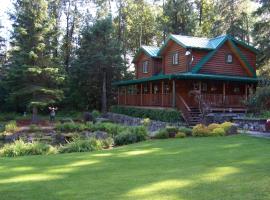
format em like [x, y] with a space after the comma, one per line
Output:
[195, 75]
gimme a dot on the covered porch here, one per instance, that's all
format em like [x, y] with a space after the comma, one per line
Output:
[218, 95]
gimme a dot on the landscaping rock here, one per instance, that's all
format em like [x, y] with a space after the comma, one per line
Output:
[88, 117]
[96, 134]
[135, 121]
[233, 130]
[102, 120]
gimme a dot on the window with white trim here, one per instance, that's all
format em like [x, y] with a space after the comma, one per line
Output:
[229, 58]
[145, 67]
[175, 58]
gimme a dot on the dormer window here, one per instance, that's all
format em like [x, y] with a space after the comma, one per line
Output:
[175, 58]
[145, 67]
[229, 58]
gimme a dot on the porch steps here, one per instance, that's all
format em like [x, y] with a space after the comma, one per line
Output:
[194, 116]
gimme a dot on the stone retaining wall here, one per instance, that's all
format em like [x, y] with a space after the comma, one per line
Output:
[135, 121]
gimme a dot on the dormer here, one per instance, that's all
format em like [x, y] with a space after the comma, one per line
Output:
[147, 62]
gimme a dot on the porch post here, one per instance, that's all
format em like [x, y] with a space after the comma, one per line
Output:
[125, 95]
[246, 91]
[118, 96]
[151, 92]
[173, 93]
[162, 92]
[224, 92]
[141, 94]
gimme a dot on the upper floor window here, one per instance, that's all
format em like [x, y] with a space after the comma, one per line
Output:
[175, 58]
[229, 58]
[145, 67]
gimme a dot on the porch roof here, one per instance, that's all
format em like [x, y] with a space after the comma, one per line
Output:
[188, 76]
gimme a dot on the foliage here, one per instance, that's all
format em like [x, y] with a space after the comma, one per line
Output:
[20, 148]
[96, 114]
[218, 132]
[111, 128]
[162, 134]
[146, 122]
[131, 135]
[260, 101]
[107, 143]
[180, 135]
[33, 78]
[11, 127]
[72, 127]
[171, 130]
[98, 57]
[81, 145]
[187, 131]
[200, 130]
[213, 126]
[226, 126]
[154, 114]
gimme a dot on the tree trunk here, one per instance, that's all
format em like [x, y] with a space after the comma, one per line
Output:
[104, 94]
[34, 114]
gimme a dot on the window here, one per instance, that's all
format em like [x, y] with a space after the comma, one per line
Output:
[145, 67]
[175, 58]
[229, 58]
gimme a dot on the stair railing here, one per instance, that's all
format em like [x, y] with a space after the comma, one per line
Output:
[203, 106]
[182, 105]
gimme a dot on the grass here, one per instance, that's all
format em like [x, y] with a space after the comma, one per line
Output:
[233, 168]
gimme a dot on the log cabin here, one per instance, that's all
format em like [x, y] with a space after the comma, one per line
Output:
[192, 74]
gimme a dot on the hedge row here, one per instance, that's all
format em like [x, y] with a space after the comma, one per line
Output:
[169, 115]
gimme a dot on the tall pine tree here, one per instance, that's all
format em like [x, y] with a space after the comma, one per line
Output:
[33, 78]
[98, 64]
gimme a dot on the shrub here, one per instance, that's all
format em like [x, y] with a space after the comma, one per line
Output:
[169, 115]
[81, 145]
[226, 126]
[146, 122]
[131, 135]
[34, 128]
[107, 143]
[218, 132]
[95, 114]
[162, 134]
[213, 126]
[112, 129]
[20, 148]
[11, 127]
[180, 135]
[200, 130]
[187, 131]
[172, 130]
[70, 127]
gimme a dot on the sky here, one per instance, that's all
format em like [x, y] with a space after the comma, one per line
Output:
[5, 6]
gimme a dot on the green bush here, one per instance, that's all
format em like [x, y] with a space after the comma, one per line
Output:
[11, 127]
[169, 115]
[95, 114]
[180, 135]
[81, 145]
[172, 130]
[107, 143]
[111, 128]
[218, 132]
[146, 122]
[187, 131]
[131, 135]
[71, 127]
[21, 148]
[162, 134]
[200, 130]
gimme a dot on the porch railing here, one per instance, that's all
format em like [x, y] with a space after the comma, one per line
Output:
[218, 100]
[164, 100]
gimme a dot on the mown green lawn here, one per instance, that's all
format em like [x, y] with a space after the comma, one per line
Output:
[235, 167]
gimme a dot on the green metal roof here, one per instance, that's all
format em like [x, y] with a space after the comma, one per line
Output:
[201, 42]
[188, 75]
[151, 51]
